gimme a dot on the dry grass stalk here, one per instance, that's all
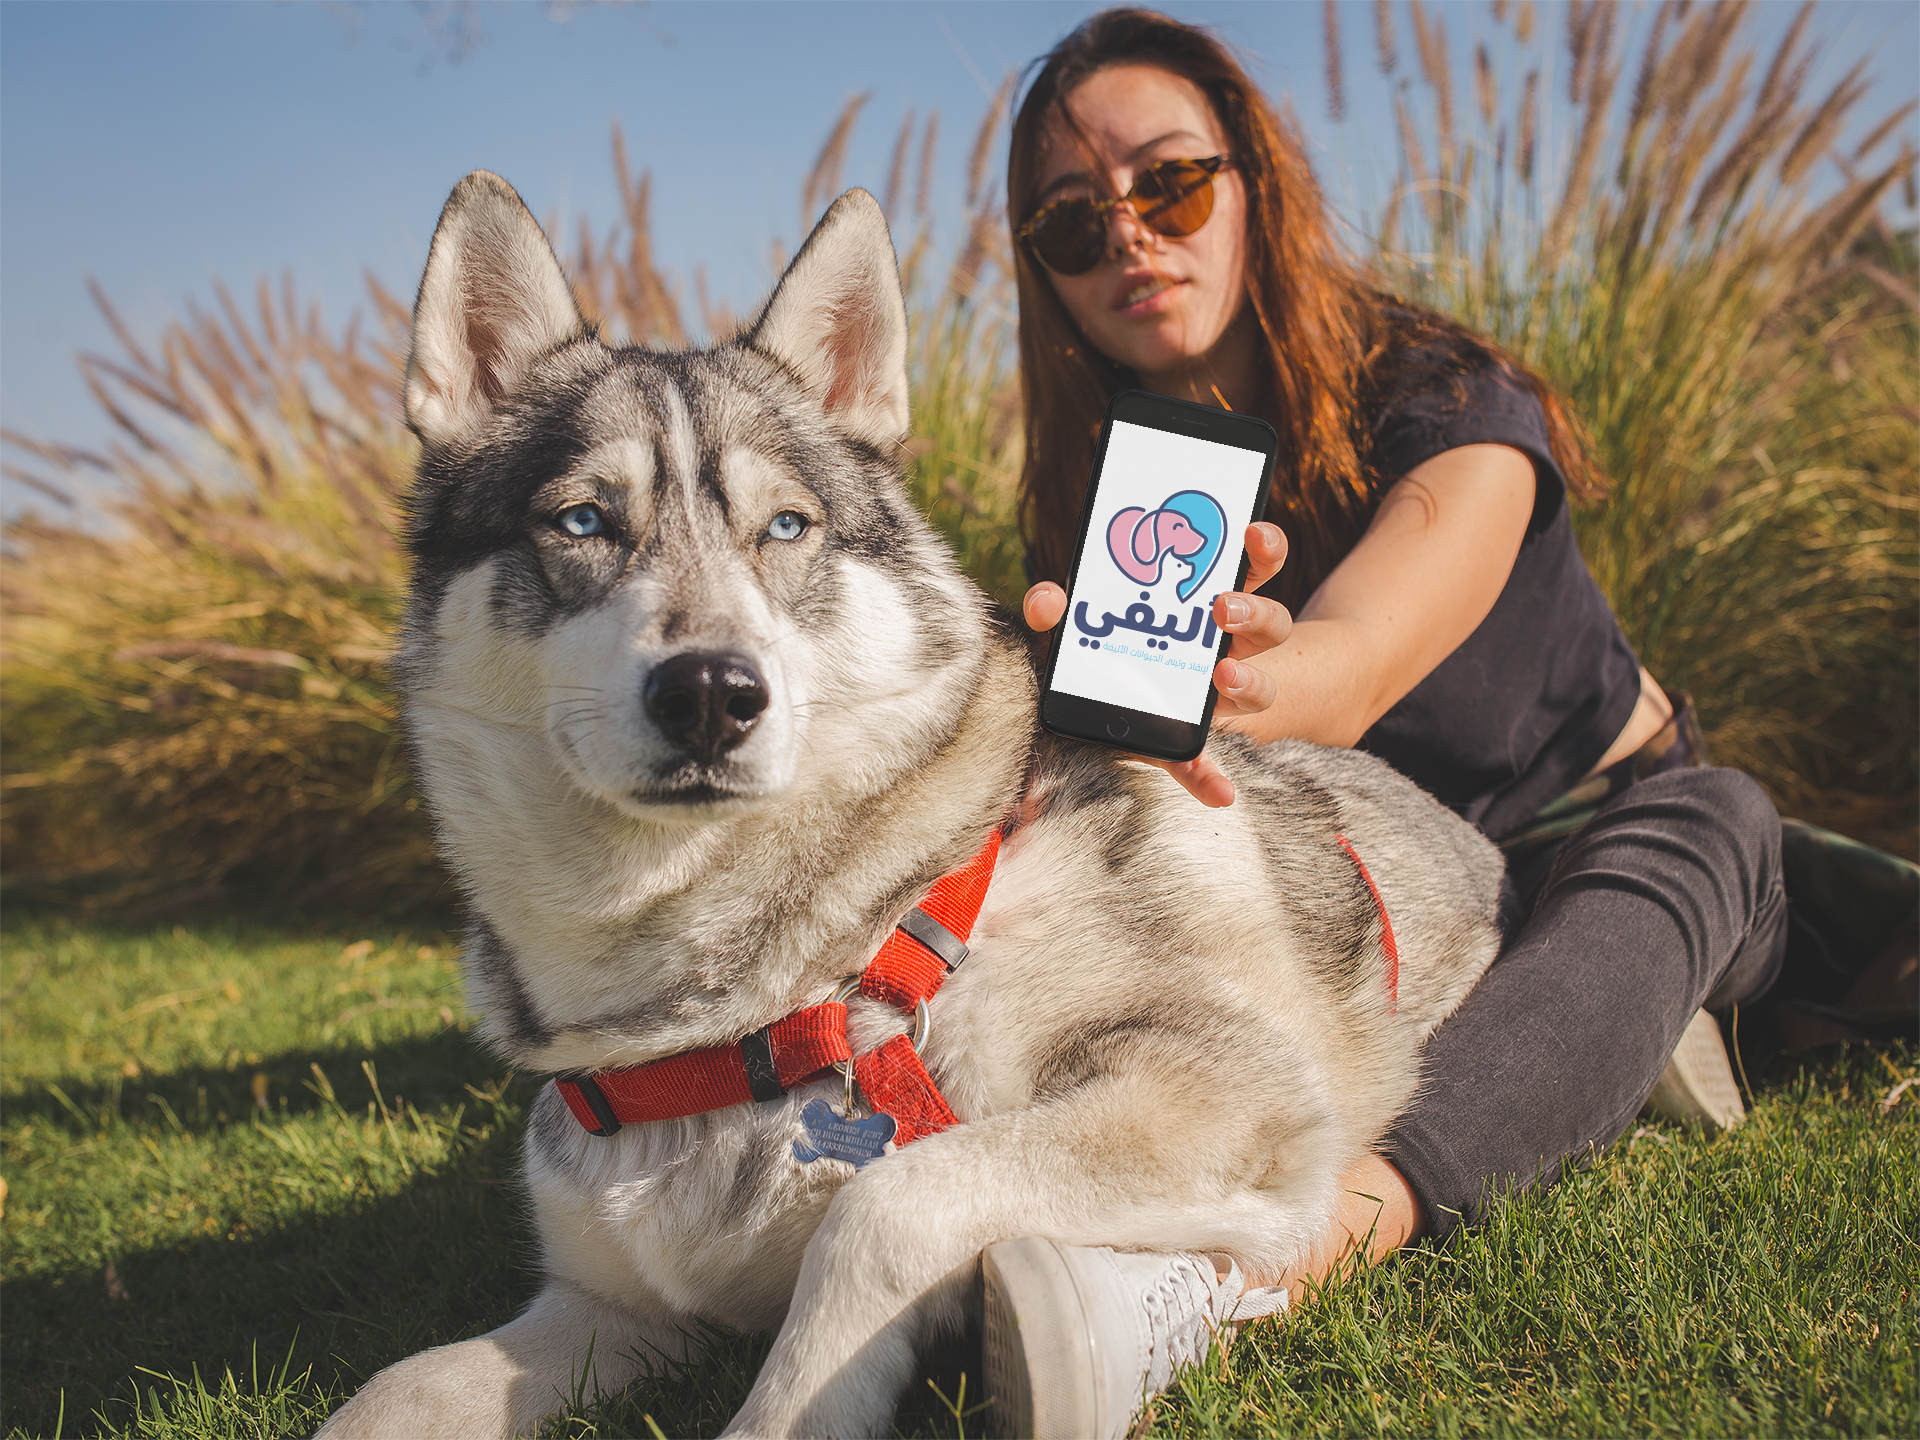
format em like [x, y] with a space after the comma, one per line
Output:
[1593, 61]
[1387, 55]
[1885, 128]
[1644, 86]
[626, 295]
[1486, 92]
[1580, 15]
[823, 181]
[1771, 88]
[1336, 75]
[1412, 156]
[929, 140]
[1529, 126]
[897, 168]
[1824, 124]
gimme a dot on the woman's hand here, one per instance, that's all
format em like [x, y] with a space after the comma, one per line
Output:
[1256, 624]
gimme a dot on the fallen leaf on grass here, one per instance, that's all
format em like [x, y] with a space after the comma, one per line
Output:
[1894, 1095]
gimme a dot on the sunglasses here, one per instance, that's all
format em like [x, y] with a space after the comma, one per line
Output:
[1171, 198]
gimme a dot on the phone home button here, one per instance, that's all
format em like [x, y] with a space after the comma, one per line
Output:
[1117, 729]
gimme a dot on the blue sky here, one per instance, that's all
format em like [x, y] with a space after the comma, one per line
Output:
[156, 145]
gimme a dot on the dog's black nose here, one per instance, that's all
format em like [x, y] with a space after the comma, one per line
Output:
[707, 703]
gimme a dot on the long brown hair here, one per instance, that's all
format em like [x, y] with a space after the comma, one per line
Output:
[1334, 342]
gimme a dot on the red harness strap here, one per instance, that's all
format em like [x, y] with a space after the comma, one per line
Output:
[913, 963]
[1388, 949]
[910, 968]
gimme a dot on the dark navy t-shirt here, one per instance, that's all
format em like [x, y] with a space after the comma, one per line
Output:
[1532, 698]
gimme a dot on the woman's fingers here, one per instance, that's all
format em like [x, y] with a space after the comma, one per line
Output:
[1256, 623]
[1266, 553]
[1045, 603]
[1244, 689]
[1204, 780]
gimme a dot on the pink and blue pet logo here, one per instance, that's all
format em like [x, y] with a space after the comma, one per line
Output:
[1189, 526]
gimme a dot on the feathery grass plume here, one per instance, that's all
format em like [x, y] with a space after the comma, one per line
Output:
[1336, 75]
[1486, 92]
[823, 181]
[1885, 128]
[1580, 15]
[1592, 57]
[1783, 56]
[626, 295]
[1529, 126]
[1739, 344]
[1766, 126]
[986, 223]
[1412, 158]
[1387, 233]
[929, 140]
[1817, 135]
[1523, 22]
[897, 168]
[1644, 85]
[1499, 8]
[981, 155]
[1388, 55]
[1430, 37]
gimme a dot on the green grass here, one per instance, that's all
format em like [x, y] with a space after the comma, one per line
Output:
[183, 1260]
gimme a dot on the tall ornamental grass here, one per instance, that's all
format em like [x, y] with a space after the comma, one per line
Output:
[1710, 280]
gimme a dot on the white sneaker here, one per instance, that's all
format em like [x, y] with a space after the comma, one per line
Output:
[1697, 1086]
[1076, 1340]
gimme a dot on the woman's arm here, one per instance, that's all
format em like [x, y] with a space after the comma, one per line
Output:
[1418, 583]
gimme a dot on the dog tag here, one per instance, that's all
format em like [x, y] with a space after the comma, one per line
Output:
[828, 1134]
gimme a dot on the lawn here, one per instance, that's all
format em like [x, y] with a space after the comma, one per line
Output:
[248, 1164]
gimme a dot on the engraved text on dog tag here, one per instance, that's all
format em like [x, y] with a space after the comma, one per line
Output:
[838, 1138]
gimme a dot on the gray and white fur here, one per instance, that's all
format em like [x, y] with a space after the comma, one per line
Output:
[692, 768]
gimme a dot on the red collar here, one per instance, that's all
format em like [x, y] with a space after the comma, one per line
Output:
[926, 947]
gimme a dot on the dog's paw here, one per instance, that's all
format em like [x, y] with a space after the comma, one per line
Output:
[457, 1392]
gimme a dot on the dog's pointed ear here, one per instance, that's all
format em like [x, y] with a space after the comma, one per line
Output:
[838, 319]
[493, 300]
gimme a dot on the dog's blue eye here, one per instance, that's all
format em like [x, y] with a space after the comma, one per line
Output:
[788, 525]
[581, 520]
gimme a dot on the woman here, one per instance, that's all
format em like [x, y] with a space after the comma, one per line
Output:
[1421, 597]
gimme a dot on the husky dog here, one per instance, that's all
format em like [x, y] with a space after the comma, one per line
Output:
[703, 707]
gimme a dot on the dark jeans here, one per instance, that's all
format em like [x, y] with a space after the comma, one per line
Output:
[1668, 900]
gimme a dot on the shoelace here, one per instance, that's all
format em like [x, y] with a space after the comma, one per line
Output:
[1186, 1307]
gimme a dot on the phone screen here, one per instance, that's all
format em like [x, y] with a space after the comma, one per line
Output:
[1166, 535]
